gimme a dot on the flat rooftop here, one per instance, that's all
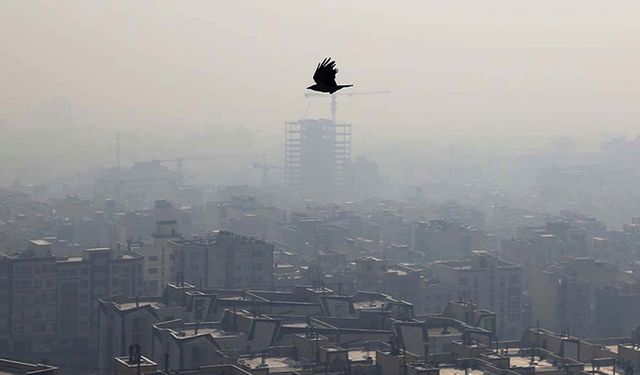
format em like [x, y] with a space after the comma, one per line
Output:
[460, 371]
[132, 305]
[525, 361]
[212, 329]
[274, 364]
[215, 332]
[9, 367]
[359, 355]
[369, 305]
[437, 331]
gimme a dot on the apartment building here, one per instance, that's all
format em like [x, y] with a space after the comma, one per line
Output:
[445, 239]
[224, 260]
[52, 303]
[488, 282]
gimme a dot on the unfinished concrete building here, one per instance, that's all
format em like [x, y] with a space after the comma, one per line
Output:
[317, 153]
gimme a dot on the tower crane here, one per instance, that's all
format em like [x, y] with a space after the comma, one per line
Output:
[265, 170]
[334, 103]
[181, 160]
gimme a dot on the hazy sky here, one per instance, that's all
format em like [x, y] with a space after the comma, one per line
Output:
[453, 67]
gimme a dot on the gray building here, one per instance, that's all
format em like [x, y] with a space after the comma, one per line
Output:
[224, 260]
[52, 303]
[488, 282]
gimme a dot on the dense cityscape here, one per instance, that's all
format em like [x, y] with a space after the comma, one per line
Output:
[190, 187]
[148, 273]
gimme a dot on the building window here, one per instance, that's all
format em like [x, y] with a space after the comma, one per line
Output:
[153, 270]
[513, 291]
[23, 270]
[23, 284]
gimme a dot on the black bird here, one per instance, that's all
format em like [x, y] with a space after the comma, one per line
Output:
[325, 77]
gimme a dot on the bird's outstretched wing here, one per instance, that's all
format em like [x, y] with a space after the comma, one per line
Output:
[326, 72]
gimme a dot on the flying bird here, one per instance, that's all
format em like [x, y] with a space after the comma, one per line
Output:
[325, 77]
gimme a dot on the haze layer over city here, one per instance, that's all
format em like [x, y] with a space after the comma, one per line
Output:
[319, 187]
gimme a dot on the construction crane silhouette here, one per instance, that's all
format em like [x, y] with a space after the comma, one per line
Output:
[334, 102]
[180, 160]
[265, 170]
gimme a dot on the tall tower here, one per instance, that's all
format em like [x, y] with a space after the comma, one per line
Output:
[317, 153]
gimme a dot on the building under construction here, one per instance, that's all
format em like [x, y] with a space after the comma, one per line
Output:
[317, 154]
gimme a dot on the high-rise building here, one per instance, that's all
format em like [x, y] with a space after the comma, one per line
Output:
[317, 153]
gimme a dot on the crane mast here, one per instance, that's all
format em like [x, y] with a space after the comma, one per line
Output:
[334, 101]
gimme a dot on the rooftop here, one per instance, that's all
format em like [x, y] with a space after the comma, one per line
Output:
[9, 367]
[459, 371]
[132, 305]
[362, 355]
[438, 331]
[275, 364]
[369, 305]
[525, 361]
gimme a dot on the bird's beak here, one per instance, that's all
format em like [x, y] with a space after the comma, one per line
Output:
[309, 88]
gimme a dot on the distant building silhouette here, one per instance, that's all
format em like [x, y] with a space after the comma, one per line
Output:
[316, 156]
